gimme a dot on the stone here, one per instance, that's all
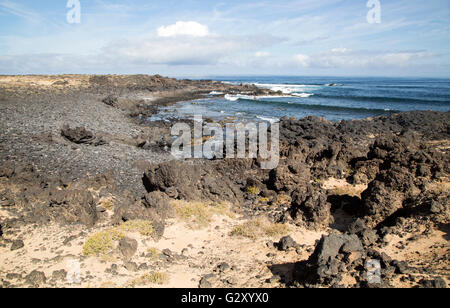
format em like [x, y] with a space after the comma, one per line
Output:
[131, 266]
[128, 247]
[222, 267]
[369, 237]
[357, 226]
[17, 244]
[36, 279]
[438, 283]
[59, 275]
[286, 243]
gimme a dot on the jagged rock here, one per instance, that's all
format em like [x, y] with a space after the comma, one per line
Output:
[287, 177]
[160, 202]
[387, 193]
[69, 207]
[80, 135]
[286, 243]
[401, 267]
[222, 267]
[194, 182]
[311, 208]
[17, 244]
[368, 237]
[13, 276]
[110, 100]
[325, 265]
[36, 279]
[357, 226]
[137, 211]
[438, 283]
[60, 275]
[205, 281]
[128, 247]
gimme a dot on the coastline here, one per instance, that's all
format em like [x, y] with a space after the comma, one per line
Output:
[374, 188]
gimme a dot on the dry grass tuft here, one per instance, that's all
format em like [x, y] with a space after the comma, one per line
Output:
[107, 203]
[153, 253]
[199, 215]
[102, 243]
[260, 227]
[283, 199]
[144, 227]
[108, 285]
[153, 278]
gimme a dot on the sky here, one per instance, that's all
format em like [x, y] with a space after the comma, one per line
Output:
[392, 38]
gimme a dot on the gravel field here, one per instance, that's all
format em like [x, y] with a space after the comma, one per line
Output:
[26, 127]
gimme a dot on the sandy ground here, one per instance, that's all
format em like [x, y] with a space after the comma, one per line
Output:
[194, 254]
[197, 253]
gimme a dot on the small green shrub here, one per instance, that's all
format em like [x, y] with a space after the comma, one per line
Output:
[144, 227]
[253, 190]
[102, 242]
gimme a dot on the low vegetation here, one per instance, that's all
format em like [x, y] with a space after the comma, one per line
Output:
[199, 215]
[153, 253]
[253, 190]
[102, 243]
[260, 227]
[144, 227]
[153, 278]
[264, 200]
[283, 199]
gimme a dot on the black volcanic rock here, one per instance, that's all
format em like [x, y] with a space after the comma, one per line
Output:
[80, 135]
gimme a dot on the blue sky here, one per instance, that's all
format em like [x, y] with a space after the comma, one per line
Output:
[204, 38]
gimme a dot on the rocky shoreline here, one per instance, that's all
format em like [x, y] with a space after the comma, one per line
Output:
[77, 158]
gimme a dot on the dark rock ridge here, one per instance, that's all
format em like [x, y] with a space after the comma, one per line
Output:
[395, 156]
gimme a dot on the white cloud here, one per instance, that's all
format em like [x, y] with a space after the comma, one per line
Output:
[20, 11]
[262, 54]
[186, 50]
[343, 58]
[184, 28]
[339, 50]
[302, 60]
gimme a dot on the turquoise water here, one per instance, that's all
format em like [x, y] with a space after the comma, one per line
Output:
[329, 97]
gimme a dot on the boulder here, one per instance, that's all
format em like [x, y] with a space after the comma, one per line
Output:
[80, 135]
[17, 244]
[286, 243]
[36, 279]
[128, 247]
[310, 207]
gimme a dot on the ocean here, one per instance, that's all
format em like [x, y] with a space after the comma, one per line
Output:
[332, 98]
